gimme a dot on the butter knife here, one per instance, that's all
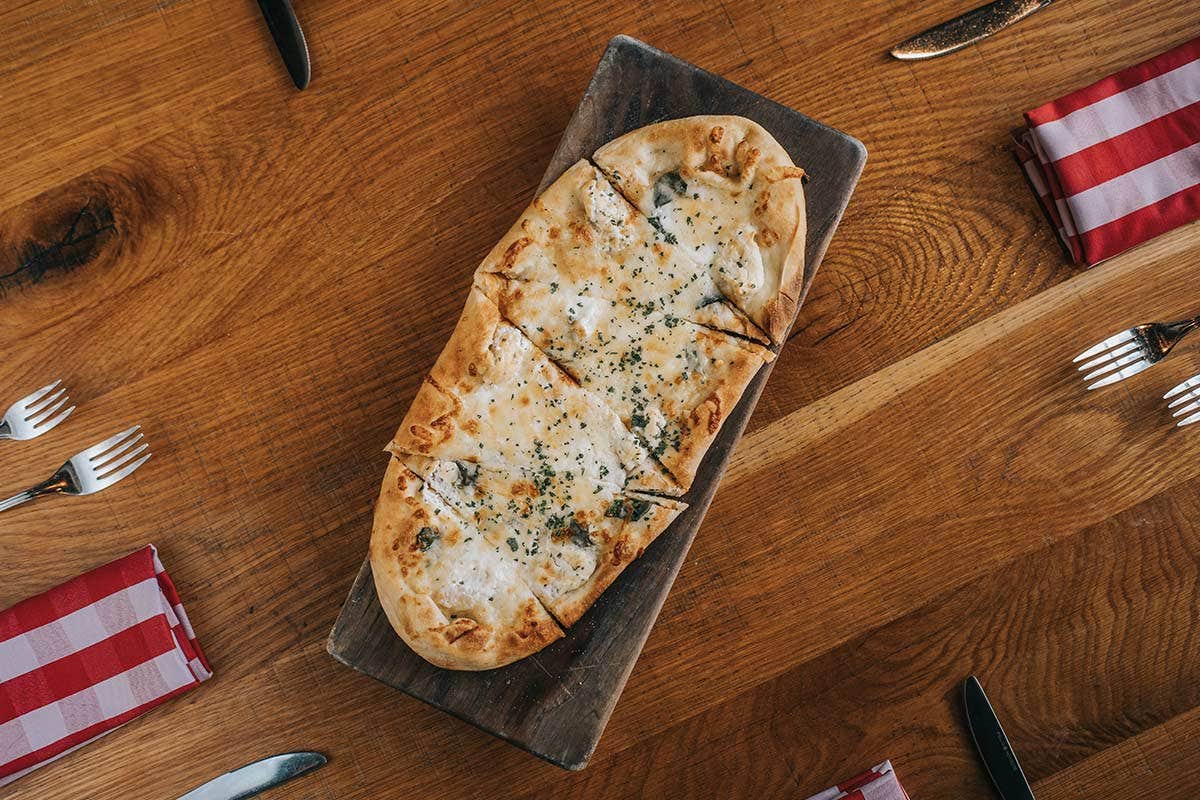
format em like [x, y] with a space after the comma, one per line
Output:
[257, 777]
[289, 38]
[997, 754]
[966, 30]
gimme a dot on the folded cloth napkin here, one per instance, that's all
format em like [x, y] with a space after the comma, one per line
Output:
[1118, 162]
[85, 657]
[877, 783]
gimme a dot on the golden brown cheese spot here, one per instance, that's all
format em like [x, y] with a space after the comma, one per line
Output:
[471, 426]
[554, 232]
[459, 628]
[766, 237]
[524, 488]
[581, 231]
[747, 157]
[423, 438]
[621, 552]
[760, 205]
[514, 252]
[396, 543]
[784, 173]
[716, 134]
[711, 405]
[472, 370]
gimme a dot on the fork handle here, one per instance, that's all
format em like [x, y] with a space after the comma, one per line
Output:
[51, 486]
[17, 499]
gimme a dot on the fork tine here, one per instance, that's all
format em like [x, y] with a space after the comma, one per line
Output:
[111, 478]
[36, 407]
[103, 461]
[39, 394]
[1112, 341]
[1188, 384]
[1119, 363]
[98, 449]
[45, 413]
[1128, 347]
[115, 464]
[1190, 407]
[1183, 398]
[1120, 375]
[1111, 355]
[48, 424]
[1189, 420]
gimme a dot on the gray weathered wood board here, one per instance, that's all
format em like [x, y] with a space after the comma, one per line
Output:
[545, 704]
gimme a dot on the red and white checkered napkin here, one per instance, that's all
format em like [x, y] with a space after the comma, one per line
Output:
[88, 656]
[877, 783]
[1118, 162]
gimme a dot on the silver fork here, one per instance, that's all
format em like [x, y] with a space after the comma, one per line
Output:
[96, 468]
[1187, 392]
[1129, 352]
[33, 415]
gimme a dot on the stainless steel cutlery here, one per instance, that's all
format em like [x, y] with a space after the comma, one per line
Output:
[1186, 401]
[33, 415]
[967, 29]
[87, 472]
[1127, 353]
[259, 776]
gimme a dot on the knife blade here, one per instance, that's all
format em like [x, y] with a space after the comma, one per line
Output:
[289, 38]
[995, 751]
[967, 29]
[256, 777]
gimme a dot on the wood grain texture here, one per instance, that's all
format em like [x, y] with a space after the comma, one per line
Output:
[923, 492]
[556, 703]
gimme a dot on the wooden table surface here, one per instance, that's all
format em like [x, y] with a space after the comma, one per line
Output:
[260, 277]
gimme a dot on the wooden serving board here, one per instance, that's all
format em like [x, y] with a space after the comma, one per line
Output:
[556, 703]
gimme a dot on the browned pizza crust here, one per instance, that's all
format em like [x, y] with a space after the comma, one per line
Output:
[739, 161]
[442, 587]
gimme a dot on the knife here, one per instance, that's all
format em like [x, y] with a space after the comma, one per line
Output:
[997, 754]
[966, 30]
[257, 777]
[289, 38]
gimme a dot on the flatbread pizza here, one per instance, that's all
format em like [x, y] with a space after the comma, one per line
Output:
[604, 342]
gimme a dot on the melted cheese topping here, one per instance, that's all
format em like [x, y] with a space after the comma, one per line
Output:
[586, 238]
[553, 531]
[651, 368]
[520, 409]
[461, 573]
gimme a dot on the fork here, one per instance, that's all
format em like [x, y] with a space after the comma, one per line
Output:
[1187, 392]
[33, 415]
[96, 468]
[1129, 352]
